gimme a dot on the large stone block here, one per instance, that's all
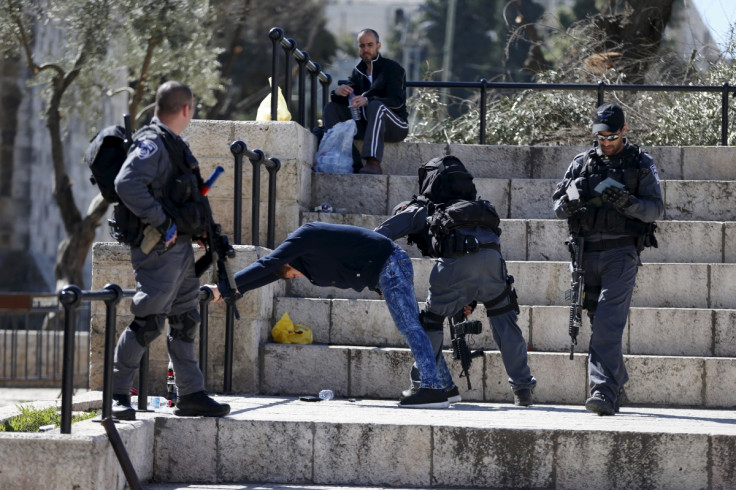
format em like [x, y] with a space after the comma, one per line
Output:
[304, 369]
[671, 331]
[379, 372]
[372, 454]
[550, 330]
[708, 162]
[473, 457]
[184, 450]
[720, 382]
[707, 236]
[699, 200]
[608, 459]
[264, 451]
[532, 198]
[665, 380]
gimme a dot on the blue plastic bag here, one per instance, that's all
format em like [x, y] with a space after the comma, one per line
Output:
[335, 153]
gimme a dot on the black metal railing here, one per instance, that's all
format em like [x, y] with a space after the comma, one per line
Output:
[273, 165]
[72, 298]
[277, 37]
[31, 339]
[289, 46]
[600, 89]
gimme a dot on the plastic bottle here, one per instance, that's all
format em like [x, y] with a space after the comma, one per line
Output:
[171, 385]
[326, 395]
[354, 111]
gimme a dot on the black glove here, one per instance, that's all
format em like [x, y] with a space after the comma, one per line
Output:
[618, 197]
[571, 208]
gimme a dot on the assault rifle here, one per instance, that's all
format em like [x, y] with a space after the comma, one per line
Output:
[575, 293]
[460, 350]
[217, 251]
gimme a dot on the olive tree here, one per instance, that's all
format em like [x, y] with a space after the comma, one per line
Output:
[109, 46]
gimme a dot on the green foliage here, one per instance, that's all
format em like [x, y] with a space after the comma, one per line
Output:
[550, 117]
[31, 419]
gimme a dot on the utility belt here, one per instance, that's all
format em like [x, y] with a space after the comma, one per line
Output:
[458, 244]
[603, 245]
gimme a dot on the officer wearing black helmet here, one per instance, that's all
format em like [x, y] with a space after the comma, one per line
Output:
[610, 196]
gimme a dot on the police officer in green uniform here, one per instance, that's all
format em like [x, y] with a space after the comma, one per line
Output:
[166, 284]
[616, 198]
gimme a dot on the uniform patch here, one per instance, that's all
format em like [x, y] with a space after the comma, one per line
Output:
[146, 148]
[654, 172]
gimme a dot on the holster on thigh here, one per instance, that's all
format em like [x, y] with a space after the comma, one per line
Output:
[184, 326]
[148, 328]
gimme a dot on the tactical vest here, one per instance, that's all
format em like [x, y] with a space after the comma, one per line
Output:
[180, 196]
[442, 236]
[601, 216]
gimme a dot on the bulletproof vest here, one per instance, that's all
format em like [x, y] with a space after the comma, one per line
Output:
[443, 235]
[180, 196]
[601, 216]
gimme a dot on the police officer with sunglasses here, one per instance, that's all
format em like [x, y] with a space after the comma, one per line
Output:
[610, 196]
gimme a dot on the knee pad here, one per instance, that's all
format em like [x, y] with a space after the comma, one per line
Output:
[147, 328]
[431, 321]
[184, 327]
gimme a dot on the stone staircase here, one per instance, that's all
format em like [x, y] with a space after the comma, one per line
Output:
[678, 430]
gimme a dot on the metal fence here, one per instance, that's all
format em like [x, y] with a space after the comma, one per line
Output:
[32, 339]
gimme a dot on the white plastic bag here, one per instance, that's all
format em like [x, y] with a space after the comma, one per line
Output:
[335, 153]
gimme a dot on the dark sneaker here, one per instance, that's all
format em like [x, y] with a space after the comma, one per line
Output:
[426, 398]
[121, 408]
[371, 168]
[453, 394]
[199, 404]
[621, 400]
[600, 404]
[523, 397]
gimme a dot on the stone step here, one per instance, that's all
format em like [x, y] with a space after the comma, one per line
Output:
[366, 442]
[649, 331]
[697, 200]
[544, 239]
[550, 162]
[382, 372]
[539, 283]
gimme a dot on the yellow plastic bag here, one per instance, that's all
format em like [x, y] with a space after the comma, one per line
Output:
[264, 110]
[287, 332]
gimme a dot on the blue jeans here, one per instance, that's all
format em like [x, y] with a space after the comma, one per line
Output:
[397, 285]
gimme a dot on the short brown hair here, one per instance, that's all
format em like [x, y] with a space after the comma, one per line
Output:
[171, 97]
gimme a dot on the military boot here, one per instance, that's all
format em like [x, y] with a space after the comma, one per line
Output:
[199, 404]
[121, 408]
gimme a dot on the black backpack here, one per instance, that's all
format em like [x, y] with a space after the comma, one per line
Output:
[445, 179]
[105, 156]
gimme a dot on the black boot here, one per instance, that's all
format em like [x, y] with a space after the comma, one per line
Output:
[121, 408]
[199, 404]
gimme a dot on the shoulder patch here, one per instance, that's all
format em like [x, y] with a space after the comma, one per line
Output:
[146, 149]
[654, 172]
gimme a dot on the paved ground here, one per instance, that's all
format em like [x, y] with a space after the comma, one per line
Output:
[17, 396]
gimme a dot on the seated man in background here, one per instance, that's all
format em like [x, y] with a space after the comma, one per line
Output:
[377, 86]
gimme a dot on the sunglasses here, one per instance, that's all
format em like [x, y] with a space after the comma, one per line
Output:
[611, 137]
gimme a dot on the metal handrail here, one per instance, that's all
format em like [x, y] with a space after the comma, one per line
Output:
[276, 34]
[273, 165]
[600, 88]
